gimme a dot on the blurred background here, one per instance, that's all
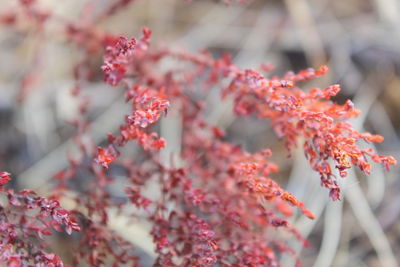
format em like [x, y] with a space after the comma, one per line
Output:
[359, 40]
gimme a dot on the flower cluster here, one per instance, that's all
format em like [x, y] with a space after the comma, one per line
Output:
[295, 113]
[148, 104]
[115, 60]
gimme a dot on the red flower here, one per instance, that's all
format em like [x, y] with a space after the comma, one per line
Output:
[4, 178]
[106, 156]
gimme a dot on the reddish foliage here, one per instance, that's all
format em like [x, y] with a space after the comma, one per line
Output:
[28, 217]
[221, 205]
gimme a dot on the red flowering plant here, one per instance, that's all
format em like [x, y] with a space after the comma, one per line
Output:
[24, 221]
[217, 204]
